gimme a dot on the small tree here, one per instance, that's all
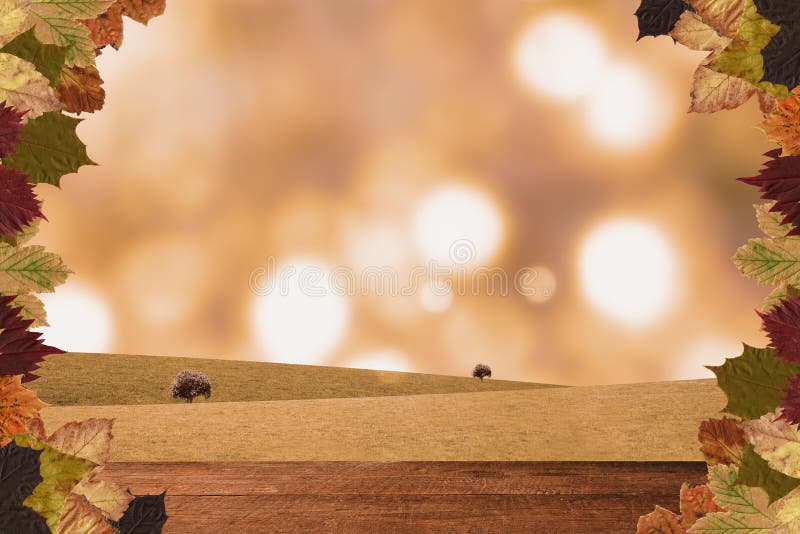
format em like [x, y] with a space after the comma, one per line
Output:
[190, 384]
[482, 371]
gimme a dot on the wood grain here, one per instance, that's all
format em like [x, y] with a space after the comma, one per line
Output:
[557, 497]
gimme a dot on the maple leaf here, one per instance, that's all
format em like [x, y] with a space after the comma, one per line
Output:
[755, 472]
[48, 59]
[782, 325]
[56, 22]
[17, 406]
[106, 29]
[81, 90]
[80, 517]
[791, 401]
[660, 521]
[18, 203]
[777, 442]
[753, 382]
[23, 87]
[108, 497]
[49, 148]
[779, 180]
[714, 91]
[723, 15]
[778, 295]
[742, 57]
[696, 501]
[10, 128]
[692, 32]
[747, 509]
[770, 261]
[782, 125]
[146, 513]
[781, 61]
[31, 308]
[142, 10]
[60, 473]
[722, 441]
[19, 474]
[21, 351]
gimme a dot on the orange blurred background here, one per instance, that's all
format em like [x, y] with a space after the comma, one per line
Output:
[357, 134]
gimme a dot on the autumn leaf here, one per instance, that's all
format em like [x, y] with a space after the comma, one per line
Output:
[755, 472]
[145, 514]
[696, 501]
[31, 308]
[81, 90]
[49, 148]
[21, 351]
[722, 441]
[714, 91]
[90, 439]
[753, 382]
[723, 15]
[778, 180]
[60, 473]
[108, 497]
[10, 128]
[80, 517]
[30, 269]
[13, 20]
[777, 295]
[770, 221]
[742, 57]
[770, 261]
[17, 406]
[781, 60]
[18, 203]
[747, 509]
[19, 475]
[782, 325]
[692, 32]
[142, 10]
[48, 59]
[23, 87]
[660, 521]
[790, 404]
[106, 29]
[56, 22]
[783, 125]
[777, 442]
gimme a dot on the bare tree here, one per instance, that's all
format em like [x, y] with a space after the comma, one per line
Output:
[190, 384]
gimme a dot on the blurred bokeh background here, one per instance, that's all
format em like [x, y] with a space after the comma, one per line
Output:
[357, 134]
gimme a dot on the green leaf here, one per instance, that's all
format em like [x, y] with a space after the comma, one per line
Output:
[30, 270]
[49, 148]
[48, 59]
[742, 57]
[753, 382]
[769, 222]
[756, 472]
[770, 261]
[56, 22]
[60, 473]
[747, 509]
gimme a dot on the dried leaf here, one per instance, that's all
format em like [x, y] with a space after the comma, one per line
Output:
[19, 475]
[755, 472]
[145, 514]
[81, 90]
[21, 351]
[48, 59]
[779, 180]
[696, 501]
[770, 261]
[106, 29]
[692, 32]
[23, 87]
[142, 10]
[30, 269]
[790, 404]
[31, 308]
[781, 60]
[723, 15]
[782, 325]
[777, 442]
[660, 521]
[80, 517]
[783, 125]
[722, 441]
[17, 405]
[90, 439]
[777, 295]
[19, 206]
[714, 91]
[10, 128]
[106, 496]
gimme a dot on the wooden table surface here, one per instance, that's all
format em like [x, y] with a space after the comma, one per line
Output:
[532, 497]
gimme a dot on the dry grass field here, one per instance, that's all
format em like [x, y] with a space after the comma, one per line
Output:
[633, 422]
[76, 379]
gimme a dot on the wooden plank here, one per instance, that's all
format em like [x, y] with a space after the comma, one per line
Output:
[407, 496]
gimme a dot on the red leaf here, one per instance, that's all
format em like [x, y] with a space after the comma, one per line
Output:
[791, 401]
[782, 325]
[10, 128]
[779, 180]
[18, 203]
[21, 351]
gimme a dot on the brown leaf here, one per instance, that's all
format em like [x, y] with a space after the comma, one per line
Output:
[90, 439]
[81, 89]
[35, 427]
[724, 15]
[722, 441]
[696, 502]
[713, 91]
[660, 521]
[692, 32]
[107, 497]
[17, 405]
[106, 29]
[142, 10]
[80, 517]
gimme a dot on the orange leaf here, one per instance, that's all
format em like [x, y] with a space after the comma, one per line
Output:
[81, 89]
[17, 405]
[722, 441]
[142, 10]
[107, 28]
[783, 125]
[696, 502]
[80, 517]
[660, 521]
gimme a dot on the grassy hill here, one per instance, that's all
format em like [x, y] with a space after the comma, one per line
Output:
[632, 422]
[76, 379]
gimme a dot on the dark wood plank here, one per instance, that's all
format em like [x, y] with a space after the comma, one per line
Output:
[407, 496]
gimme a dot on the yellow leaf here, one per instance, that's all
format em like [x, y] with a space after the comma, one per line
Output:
[106, 496]
[13, 20]
[692, 32]
[90, 439]
[777, 441]
[17, 405]
[23, 87]
[713, 91]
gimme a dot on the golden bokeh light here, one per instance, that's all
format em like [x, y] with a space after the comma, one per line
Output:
[380, 360]
[80, 319]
